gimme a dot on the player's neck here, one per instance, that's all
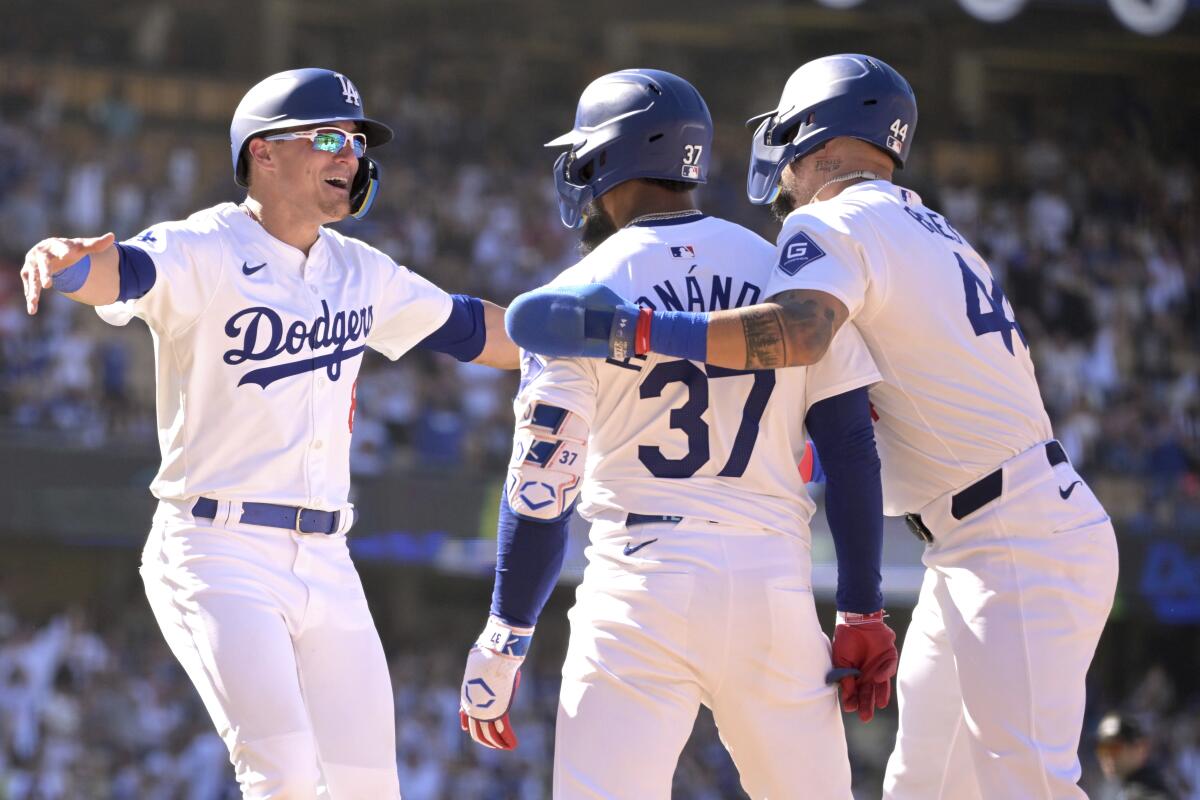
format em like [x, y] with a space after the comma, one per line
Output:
[635, 199]
[279, 220]
[851, 172]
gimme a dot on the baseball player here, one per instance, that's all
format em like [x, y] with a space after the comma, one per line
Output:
[697, 588]
[260, 315]
[1021, 557]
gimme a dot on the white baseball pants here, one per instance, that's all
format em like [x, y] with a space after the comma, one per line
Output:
[705, 614]
[274, 631]
[992, 670]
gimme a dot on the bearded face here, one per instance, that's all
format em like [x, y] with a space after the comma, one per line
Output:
[597, 226]
[783, 204]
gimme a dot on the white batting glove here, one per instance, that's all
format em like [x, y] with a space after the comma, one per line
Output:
[490, 683]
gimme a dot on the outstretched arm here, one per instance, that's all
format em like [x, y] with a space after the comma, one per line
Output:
[793, 328]
[474, 332]
[85, 269]
[498, 350]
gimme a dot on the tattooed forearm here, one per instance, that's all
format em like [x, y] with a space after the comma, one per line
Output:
[792, 329]
[809, 320]
[766, 343]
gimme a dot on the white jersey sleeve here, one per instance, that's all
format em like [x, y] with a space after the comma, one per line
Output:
[820, 255]
[847, 366]
[408, 309]
[187, 262]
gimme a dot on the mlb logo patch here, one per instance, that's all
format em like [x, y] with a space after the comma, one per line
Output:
[691, 171]
[799, 252]
[684, 251]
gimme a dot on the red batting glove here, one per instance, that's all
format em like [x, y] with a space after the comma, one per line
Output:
[865, 644]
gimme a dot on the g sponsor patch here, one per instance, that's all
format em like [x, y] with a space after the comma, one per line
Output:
[798, 252]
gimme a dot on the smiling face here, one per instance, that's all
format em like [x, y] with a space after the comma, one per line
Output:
[314, 184]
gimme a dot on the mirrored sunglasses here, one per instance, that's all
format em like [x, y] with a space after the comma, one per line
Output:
[329, 140]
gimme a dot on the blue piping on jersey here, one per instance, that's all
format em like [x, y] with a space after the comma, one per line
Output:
[655, 223]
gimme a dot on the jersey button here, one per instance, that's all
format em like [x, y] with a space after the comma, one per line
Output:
[317, 445]
[312, 289]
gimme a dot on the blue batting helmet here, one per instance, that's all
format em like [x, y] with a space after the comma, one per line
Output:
[636, 123]
[843, 95]
[307, 97]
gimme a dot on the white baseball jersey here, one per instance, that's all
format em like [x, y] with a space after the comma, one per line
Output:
[258, 347]
[958, 395]
[675, 437]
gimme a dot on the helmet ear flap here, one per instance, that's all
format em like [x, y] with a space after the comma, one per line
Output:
[364, 188]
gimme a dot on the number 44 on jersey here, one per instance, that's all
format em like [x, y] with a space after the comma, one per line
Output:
[996, 319]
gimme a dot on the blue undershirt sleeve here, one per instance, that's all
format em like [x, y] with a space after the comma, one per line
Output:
[841, 430]
[463, 334]
[135, 272]
[529, 557]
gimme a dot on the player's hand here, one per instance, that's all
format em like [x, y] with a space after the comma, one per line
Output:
[864, 661]
[490, 683]
[49, 257]
[591, 321]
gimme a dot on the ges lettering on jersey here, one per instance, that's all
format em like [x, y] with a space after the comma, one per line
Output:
[799, 252]
[263, 337]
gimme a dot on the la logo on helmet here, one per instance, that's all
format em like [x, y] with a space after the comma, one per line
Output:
[348, 90]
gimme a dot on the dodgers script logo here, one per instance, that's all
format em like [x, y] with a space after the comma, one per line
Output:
[263, 338]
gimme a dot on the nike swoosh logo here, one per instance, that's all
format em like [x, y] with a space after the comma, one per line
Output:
[249, 270]
[631, 550]
[1065, 493]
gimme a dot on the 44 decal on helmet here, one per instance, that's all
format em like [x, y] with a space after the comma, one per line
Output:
[899, 133]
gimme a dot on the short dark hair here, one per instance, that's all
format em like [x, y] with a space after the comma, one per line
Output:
[678, 187]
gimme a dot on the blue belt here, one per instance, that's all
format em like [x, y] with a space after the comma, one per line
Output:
[294, 518]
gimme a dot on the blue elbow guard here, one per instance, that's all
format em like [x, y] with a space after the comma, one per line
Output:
[571, 321]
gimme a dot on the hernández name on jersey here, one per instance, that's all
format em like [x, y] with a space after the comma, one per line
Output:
[262, 336]
[688, 293]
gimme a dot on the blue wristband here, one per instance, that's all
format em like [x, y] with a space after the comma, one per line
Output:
[683, 334]
[73, 277]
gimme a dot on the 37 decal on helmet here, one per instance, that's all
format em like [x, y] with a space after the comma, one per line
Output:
[843, 95]
[309, 96]
[636, 123]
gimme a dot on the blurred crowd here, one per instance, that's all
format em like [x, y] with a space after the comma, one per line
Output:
[1092, 228]
[103, 712]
